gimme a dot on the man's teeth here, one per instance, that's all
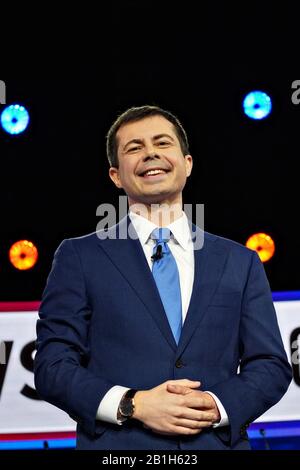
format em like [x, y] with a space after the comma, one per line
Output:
[154, 172]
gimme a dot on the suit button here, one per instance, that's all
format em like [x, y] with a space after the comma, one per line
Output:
[179, 364]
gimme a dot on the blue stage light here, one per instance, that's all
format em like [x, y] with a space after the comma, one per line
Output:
[257, 105]
[14, 119]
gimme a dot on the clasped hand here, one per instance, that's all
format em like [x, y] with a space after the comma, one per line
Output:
[176, 407]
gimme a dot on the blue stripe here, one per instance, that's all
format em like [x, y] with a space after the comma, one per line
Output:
[38, 444]
[284, 429]
[288, 295]
[274, 429]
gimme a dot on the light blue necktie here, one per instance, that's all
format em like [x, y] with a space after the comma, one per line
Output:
[166, 275]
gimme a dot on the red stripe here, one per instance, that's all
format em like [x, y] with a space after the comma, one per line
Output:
[19, 306]
[37, 435]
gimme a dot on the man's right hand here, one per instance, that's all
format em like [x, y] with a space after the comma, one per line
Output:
[171, 413]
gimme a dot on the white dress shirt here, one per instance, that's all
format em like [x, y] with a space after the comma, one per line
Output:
[181, 246]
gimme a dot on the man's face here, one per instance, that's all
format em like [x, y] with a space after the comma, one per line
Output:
[150, 144]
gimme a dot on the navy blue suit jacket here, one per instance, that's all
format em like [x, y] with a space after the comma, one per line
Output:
[102, 324]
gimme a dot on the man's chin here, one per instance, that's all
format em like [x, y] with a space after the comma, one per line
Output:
[155, 198]
[158, 198]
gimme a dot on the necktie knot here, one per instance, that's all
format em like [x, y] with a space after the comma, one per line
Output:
[161, 235]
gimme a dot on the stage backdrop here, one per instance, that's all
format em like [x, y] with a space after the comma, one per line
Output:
[22, 412]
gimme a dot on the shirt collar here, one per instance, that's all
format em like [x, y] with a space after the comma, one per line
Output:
[179, 228]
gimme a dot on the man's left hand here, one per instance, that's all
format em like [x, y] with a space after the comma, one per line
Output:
[206, 401]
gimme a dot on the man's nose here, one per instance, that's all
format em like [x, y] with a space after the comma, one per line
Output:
[150, 154]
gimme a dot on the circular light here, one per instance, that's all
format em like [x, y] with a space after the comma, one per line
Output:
[23, 254]
[14, 119]
[263, 245]
[257, 105]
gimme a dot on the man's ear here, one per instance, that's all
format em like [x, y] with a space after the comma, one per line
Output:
[114, 176]
[188, 164]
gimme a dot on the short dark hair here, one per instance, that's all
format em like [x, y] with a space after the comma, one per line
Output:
[136, 114]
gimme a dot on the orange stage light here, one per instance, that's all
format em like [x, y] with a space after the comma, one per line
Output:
[262, 244]
[23, 254]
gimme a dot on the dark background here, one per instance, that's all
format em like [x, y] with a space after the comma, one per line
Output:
[196, 60]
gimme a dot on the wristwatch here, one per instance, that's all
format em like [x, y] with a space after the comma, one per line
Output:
[127, 405]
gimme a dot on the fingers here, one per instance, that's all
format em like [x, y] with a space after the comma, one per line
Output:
[192, 424]
[174, 408]
[196, 415]
[185, 382]
[180, 389]
[196, 400]
[186, 431]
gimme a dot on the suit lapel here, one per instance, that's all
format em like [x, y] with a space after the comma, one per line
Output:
[128, 257]
[209, 265]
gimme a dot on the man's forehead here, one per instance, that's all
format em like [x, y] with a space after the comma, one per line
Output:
[147, 127]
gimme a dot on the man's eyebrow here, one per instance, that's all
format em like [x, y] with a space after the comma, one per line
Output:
[155, 137]
[159, 136]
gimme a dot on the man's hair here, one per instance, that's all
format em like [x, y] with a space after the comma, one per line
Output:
[136, 114]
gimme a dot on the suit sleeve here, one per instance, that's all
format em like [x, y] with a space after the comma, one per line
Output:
[61, 377]
[265, 373]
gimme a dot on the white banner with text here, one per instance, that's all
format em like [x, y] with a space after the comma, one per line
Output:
[22, 412]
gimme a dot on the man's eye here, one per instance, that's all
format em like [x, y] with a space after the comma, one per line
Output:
[134, 149]
[163, 143]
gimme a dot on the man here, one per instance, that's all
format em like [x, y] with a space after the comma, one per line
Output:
[147, 341]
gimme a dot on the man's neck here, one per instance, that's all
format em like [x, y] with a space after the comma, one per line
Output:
[159, 214]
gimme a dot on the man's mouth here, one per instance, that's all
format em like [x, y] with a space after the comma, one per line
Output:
[153, 172]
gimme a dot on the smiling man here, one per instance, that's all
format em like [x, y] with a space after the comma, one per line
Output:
[152, 165]
[148, 342]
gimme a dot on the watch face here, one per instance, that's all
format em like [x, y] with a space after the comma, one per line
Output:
[126, 408]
